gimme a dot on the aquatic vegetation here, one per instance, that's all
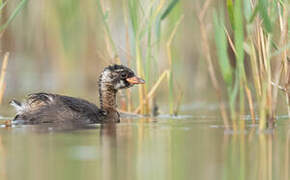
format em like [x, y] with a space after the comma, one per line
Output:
[144, 22]
[234, 53]
[3, 26]
[203, 58]
[257, 35]
[18, 8]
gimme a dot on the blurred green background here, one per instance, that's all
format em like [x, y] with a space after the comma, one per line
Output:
[60, 46]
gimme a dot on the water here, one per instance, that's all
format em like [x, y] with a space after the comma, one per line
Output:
[163, 148]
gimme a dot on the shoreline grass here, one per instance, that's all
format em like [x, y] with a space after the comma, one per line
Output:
[259, 45]
[244, 45]
[145, 25]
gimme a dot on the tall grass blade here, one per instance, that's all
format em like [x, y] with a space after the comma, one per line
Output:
[221, 44]
[211, 69]
[280, 50]
[134, 8]
[247, 9]
[170, 59]
[2, 5]
[169, 8]
[104, 16]
[254, 14]
[239, 36]
[148, 57]
[230, 8]
[13, 15]
[263, 8]
[133, 13]
[163, 16]
[2, 75]
[239, 41]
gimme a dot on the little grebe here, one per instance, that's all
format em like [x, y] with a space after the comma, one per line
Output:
[53, 108]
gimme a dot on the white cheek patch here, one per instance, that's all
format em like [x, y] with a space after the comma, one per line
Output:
[106, 76]
[120, 84]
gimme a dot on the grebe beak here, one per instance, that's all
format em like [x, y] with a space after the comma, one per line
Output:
[135, 80]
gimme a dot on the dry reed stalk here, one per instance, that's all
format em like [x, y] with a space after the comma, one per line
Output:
[160, 6]
[153, 90]
[287, 91]
[128, 54]
[255, 71]
[251, 104]
[261, 47]
[112, 50]
[258, 42]
[169, 42]
[256, 78]
[204, 9]
[147, 105]
[267, 114]
[2, 75]
[230, 41]
[168, 48]
[287, 94]
[140, 74]
[278, 71]
[111, 47]
[145, 19]
[248, 92]
[178, 103]
[283, 42]
[205, 45]
[269, 85]
[262, 122]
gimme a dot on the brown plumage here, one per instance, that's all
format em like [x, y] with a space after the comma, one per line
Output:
[42, 107]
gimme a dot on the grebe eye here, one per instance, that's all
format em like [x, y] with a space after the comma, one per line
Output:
[123, 75]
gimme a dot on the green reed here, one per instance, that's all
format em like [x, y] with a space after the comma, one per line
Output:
[3, 26]
[252, 38]
[20, 6]
[145, 23]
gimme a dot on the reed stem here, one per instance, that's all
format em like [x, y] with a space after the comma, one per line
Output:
[2, 75]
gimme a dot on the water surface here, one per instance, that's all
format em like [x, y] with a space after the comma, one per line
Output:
[195, 147]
